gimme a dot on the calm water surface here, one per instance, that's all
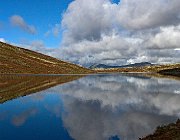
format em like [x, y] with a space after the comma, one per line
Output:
[101, 107]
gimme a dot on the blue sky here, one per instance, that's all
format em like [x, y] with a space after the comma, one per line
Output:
[110, 32]
[42, 14]
[116, 1]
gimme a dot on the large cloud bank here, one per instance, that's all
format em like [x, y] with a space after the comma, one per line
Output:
[99, 31]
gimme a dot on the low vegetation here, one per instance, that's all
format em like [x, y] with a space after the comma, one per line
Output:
[169, 132]
[19, 60]
[15, 60]
[171, 69]
[173, 72]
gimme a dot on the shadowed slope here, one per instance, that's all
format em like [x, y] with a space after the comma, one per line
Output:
[173, 72]
[169, 132]
[19, 60]
[13, 86]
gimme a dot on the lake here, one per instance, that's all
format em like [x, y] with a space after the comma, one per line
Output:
[94, 107]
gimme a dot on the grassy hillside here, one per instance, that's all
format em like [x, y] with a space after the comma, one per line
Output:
[14, 86]
[154, 68]
[18, 60]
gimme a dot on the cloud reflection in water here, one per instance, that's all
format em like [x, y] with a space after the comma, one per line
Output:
[98, 107]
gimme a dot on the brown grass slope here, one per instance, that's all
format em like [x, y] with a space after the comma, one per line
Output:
[14, 86]
[18, 60]
[169, 132]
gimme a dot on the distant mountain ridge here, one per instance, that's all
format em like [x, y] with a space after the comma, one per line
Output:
[16, 60]
[103, 66]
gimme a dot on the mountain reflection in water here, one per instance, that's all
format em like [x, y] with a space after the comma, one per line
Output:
[98, 107]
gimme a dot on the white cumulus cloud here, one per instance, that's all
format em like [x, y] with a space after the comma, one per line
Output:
[18, 21]
[99, 31]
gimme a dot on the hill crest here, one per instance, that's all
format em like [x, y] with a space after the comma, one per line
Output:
[19, 60]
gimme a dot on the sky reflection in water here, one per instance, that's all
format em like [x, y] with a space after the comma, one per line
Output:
[93, 108]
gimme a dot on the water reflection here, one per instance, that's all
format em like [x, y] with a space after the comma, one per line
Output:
[20, 119]
[94, 108]
[13, 86]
